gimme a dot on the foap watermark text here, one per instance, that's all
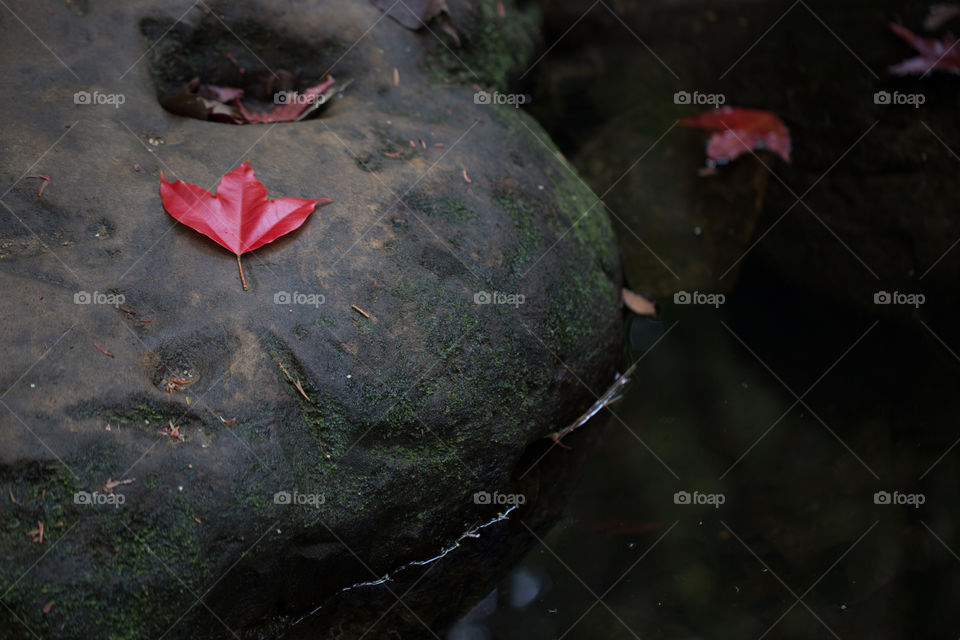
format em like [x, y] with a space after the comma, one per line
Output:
[698, 98]
[299, 499]
[697, 498]
[910, 299]
[499, 297]
[97, 499]
[485, 497]
[495, 97]
[86, 97]
[900, 499]
[308, 299]
[697, 297]
[897, 98]
[86, 297]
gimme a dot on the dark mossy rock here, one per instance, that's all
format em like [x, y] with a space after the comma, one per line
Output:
[395, 416]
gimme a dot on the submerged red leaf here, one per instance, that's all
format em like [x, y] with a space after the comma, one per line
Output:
[239, 217]
[738, 131]
[935, 55]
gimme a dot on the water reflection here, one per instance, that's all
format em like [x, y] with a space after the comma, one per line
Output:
[804, 423]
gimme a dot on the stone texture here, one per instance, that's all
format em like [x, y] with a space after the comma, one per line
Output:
[410, 411]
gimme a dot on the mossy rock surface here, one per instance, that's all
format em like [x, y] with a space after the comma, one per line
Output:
[395, 416]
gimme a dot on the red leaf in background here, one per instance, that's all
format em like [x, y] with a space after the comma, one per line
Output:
[297, 103]
[940, 14]
[739, 131]
[935, 55]
[240, 217]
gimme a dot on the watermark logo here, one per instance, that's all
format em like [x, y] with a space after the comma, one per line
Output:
[698, 98]
[485, 497]
[295, 97]
[95, 498]
[909, 499]
[911, 299]
[85, 297]
[697, 498]
[896, 98]
[309, 299]
[696, 297]
[512, 99]
[301, 499]
[499, 297]
[85, 97]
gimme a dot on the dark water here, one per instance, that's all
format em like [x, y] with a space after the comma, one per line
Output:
[794, 415]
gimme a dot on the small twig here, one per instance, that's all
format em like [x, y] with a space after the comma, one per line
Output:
[113, 484]
[242, 279]
[609, 397]
[37, 534]
[360, 311]
[45, 179]
[102, 350]
[229, 56]
[296, 382]
[284, 369]
[300, 389]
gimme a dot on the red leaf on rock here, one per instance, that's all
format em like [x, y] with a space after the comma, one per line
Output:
[295, 105]
[935, 55]
[739, 131]
[223, 104]
[239, 217]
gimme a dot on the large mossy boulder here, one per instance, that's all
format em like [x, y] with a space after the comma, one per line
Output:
[457, 301]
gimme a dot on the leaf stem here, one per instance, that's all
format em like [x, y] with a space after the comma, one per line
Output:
[242, 279]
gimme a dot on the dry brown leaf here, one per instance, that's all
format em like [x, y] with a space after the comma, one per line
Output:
[113, 484]
[37, 534]
[638, 304]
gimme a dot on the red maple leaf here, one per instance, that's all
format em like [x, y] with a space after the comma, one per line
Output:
[935, 55]
[738, 131]
[240, 217]
[295, 104]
